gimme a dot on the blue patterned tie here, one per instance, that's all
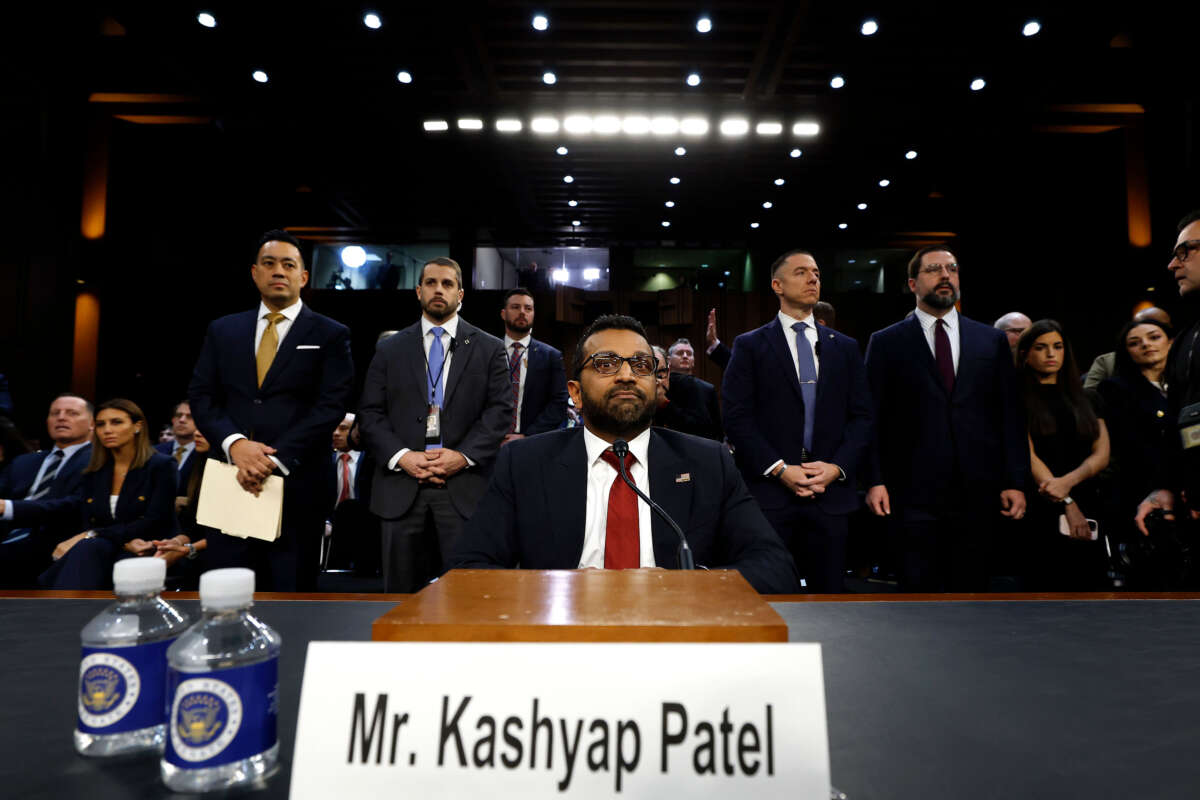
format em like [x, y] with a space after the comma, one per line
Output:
[437, 358]
[808, 382]
[53, 464]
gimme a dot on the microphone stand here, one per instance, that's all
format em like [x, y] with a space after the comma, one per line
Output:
[684, 552]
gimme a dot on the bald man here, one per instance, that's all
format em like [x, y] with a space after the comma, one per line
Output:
[1105, 364]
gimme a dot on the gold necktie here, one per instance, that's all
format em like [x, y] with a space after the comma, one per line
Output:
[268, 346]
[178, 455]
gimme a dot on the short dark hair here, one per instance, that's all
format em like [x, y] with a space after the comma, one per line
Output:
[91, 408]
[1188, 220]
[608, 322]
[678, 342]
[175, 408]
[825, 313]
[278, 235]
[914, 263]
[443, 261]
[777, 263]
[520, 290]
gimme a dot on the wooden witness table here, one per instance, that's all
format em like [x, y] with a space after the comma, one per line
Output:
[487, 605]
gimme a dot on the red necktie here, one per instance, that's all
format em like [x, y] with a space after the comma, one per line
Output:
[622, 549]
[345, 493]
[945, 359]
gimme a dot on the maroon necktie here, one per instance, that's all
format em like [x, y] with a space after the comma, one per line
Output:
[622, 549]
[514, 375]
[945, 359]
[345, 493]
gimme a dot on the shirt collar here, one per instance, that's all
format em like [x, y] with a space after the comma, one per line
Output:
[450, 326]
[638, 445]
[69, 450]
[354, 455]
[928, 320]
[187, 448]
[509, 341]
[291, 312]
[788, 321]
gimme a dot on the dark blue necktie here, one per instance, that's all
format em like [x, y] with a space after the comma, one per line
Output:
[808, 382]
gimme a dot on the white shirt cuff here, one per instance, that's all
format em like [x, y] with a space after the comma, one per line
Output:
[279, 464]
[229, 440]
[767, 472]
[712, 347]
[470, 463]
[394, 462]
[7, 510]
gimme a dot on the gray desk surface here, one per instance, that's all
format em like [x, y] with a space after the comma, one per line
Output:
[1053, 699]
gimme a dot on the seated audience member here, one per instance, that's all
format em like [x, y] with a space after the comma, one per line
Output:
[183, 552]
[354, 529]
[1135, 411]
[36, 485]
[12, 444]
[182, 445]
[535, 369]
[1014, 323]
[126, 502]
[686, 404]
[567, 482]
[1104, 365]
[1068, 447]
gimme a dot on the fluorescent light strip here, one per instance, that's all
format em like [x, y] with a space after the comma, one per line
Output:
[544, 125]
[509, 125]
[769, 128]
[436, 125]
[470, 124]
[806, 129]
[734, 127]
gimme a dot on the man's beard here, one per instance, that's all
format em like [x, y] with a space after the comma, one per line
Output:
[444, 313]
[521, 329]
[935, 300]
[627, 419]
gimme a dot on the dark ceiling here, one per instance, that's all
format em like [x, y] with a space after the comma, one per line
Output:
[337, 131]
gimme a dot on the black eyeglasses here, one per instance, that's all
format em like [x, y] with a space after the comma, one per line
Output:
[934, 269]
[610, 364]
[1184, 249]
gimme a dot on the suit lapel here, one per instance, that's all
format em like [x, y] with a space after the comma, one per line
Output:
[969, 347]
[920, 345]
[412, 350]
[565, 478]
[287, 348]
[244, 331]
[83, 454]
[777, 336]
[462, 345]
[675, 498]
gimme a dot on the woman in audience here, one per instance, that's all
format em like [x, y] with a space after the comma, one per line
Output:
[1068, 447]
[127, 500]
[1135, 408]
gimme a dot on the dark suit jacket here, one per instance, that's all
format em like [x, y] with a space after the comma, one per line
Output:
[544, 404]
[693, 408]
[303, 397]
[721, 355]
[931, 447]
[533, 513]
[18, 480]
[395, 401]
[764, 412]
[184, 470]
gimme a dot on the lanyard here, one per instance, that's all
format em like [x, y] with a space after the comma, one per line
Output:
[434, 380]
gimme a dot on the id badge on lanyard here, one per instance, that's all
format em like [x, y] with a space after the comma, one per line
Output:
[433, 424]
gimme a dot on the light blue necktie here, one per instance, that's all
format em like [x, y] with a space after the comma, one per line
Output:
[437, 359]
[808, 382]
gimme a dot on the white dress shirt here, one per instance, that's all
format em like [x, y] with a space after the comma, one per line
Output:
[449, 332]
[508, 351]
[187, 451]
[281, 330]
[600, 477]
[355, 455]
[929, 324]
[789, 335]
[68, 451]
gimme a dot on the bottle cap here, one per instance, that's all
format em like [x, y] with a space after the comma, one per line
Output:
[226, 588]
[139, 575]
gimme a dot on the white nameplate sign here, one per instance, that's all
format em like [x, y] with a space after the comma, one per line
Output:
[498, 720]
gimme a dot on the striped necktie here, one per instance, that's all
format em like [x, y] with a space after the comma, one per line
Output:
[54, 463]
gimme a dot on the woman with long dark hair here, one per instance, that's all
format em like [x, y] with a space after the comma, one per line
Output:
[1068, 445]
[126, 502]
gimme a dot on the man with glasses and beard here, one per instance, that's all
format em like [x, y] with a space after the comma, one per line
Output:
[951, 455]
[436, 404]
[557, 501]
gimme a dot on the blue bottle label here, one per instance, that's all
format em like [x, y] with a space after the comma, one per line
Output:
[223, 716]
[123, 689]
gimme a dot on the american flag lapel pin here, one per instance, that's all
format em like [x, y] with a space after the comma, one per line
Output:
[683, 477]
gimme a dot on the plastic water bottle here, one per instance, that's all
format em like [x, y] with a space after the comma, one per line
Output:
[223, 688]
[123, 671]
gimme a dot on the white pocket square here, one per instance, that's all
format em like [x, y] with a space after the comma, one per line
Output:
[308, 347]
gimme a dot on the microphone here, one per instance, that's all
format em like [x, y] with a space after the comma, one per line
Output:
[684, 553]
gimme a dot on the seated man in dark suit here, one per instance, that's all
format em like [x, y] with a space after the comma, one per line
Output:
[38, 483]
[535, 369]
[354, 530]
[685, 403]
[557, 502]
[183, 447]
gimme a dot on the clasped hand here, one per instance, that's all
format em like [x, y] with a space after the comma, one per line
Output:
[253, 462]
[809, 479]
[433, 466]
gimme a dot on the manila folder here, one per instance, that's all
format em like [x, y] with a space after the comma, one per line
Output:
[229, 508]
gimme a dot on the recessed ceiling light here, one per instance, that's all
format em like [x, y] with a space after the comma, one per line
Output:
[544, 125]
[674, 181]
[806, 129]
[769, 128]
[910, 155]
[353, 256]
[540, 22]
[562, 151]
[260, 76]
[851, 260]
[549, 78]
[664, 126]
[436, 125]
[1032, 28]
[768, 204]
[869, 27]
[885, 183]
[693, 79]
[572, 203]
[206, 19]
[721, 285]
[754, 225]
[669, 204]
[693, 126]
[578, 123]
[862, 206]
[635, 125]
[372, 21]
[978, 84]
[568, 179]
[780, 181]
[842, 226]
[795, 153]
[404, 76]
[681, 151]
[734, 126]
[666, 223]
[837, 82]
[704, 25]
[508, 125]
[606, 123]
[873, 261]
[576, 222]
[470, 124]
[591, 274]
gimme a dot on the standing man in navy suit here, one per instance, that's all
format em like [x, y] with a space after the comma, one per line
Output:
[269, 387]
[436, 405]
[952, 454]
[39, 482]
[798, 414]
[183, 448]
[535, 369]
